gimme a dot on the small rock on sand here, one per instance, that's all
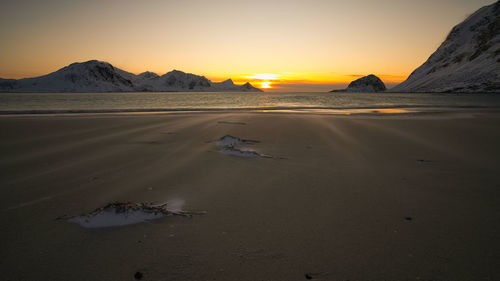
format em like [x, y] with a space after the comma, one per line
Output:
[138, 275]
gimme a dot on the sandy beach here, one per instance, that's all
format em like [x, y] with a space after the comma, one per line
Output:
[363, 197]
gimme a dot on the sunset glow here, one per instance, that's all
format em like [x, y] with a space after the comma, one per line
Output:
[263, 76]
[297, 46]
[304, 81]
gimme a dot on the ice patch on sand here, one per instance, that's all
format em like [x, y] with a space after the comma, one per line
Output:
[120, 214]
[174, 206]
[230, 145]
[228, 140]
[242, 152]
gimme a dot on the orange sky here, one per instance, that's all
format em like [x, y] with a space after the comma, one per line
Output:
[304, 45]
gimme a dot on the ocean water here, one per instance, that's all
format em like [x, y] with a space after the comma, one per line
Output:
[40, 103]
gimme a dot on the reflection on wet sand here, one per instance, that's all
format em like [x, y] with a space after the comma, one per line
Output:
[342, 111]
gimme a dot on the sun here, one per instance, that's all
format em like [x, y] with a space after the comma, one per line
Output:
[265, 85]
[265, 80]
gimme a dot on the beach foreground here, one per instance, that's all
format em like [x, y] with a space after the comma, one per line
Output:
[367, 197]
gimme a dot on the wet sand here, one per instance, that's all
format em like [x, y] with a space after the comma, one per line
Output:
[410, 197]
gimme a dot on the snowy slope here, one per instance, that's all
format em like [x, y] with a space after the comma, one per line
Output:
[91, 76]
[148, 75]
[229, 86]
[367, 84]
[179, 81]
[467, 61]
[98, 76]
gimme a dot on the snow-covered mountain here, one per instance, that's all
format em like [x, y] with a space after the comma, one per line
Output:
[98, 76]
[179, 81]
[367, 84]
[91, 76]
[148, 75]
[229, 86]
[467, 61]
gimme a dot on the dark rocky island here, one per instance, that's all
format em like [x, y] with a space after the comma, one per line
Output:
[370, 84]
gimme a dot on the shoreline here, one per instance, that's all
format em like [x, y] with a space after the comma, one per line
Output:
[340, 111]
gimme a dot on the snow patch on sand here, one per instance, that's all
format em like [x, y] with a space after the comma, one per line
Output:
[234, 146]
[228, 140]
[242, 152]
[120, 214]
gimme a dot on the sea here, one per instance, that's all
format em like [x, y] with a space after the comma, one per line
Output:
[136, 102]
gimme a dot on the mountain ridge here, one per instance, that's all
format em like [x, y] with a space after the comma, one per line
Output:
[100, 76]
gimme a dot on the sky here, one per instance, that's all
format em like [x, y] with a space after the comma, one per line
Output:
[293, 45]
